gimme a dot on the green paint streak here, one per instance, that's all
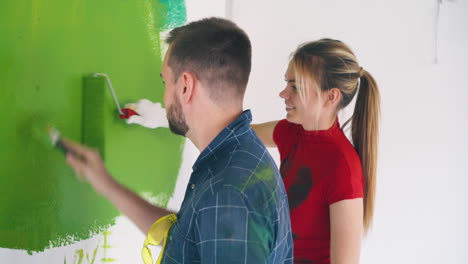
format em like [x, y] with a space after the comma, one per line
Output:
[80, 254]
[94, 255]
[262, 174]
[46, 49]
[105, 246]
[176, 13]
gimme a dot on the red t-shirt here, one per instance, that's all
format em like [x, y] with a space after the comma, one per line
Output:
[318, 168]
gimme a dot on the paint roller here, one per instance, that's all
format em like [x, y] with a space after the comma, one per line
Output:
[124, 113]
[93, 113]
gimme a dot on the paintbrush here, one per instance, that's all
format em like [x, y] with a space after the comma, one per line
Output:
[57, 142]
[56, 139]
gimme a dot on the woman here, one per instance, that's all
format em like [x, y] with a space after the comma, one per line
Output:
[330, 183]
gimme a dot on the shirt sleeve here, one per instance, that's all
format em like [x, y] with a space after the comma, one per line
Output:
[345, 182]
[283, 136]
[227, 231]
[279, 132]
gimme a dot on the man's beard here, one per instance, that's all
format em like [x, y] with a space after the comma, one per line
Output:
[176, 119]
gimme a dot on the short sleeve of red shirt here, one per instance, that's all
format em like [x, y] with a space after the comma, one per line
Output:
[283, 136]
[344, 183]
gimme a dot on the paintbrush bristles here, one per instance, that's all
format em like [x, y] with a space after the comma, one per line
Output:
[54, 135]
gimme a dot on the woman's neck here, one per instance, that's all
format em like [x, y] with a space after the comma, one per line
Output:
[321, 124]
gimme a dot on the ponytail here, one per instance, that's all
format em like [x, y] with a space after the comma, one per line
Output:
[365, 135]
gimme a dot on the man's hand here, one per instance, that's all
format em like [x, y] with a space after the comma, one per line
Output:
[150, 115]
[88, 165]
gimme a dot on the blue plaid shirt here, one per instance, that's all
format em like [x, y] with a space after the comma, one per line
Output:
[235, 208]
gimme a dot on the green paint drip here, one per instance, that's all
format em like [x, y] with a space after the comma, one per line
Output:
[80, 254]
[106, 246]
[94, 255]
[44, 55]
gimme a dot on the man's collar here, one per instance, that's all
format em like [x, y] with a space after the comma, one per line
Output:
[234, 129]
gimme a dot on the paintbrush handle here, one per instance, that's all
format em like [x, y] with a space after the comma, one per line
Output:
[65, 150]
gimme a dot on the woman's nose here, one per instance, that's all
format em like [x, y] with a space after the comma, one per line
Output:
[284, 94]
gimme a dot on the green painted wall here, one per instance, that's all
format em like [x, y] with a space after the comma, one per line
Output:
[46, 47]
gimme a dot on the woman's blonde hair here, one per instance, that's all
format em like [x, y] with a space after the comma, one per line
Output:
[325, 64]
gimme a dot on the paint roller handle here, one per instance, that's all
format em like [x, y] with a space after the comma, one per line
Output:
[65, 150]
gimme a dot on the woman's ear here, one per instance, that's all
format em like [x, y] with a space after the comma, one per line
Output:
[333, 96]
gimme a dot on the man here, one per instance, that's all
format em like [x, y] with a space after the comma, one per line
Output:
[235, 208]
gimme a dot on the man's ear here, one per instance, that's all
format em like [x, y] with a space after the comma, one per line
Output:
[333, 96]
[188, 90]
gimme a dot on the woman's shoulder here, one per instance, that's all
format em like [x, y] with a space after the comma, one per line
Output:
[284, 132]
[285, 126]
[348, 152]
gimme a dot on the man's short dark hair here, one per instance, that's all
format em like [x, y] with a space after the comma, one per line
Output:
[217, 51]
